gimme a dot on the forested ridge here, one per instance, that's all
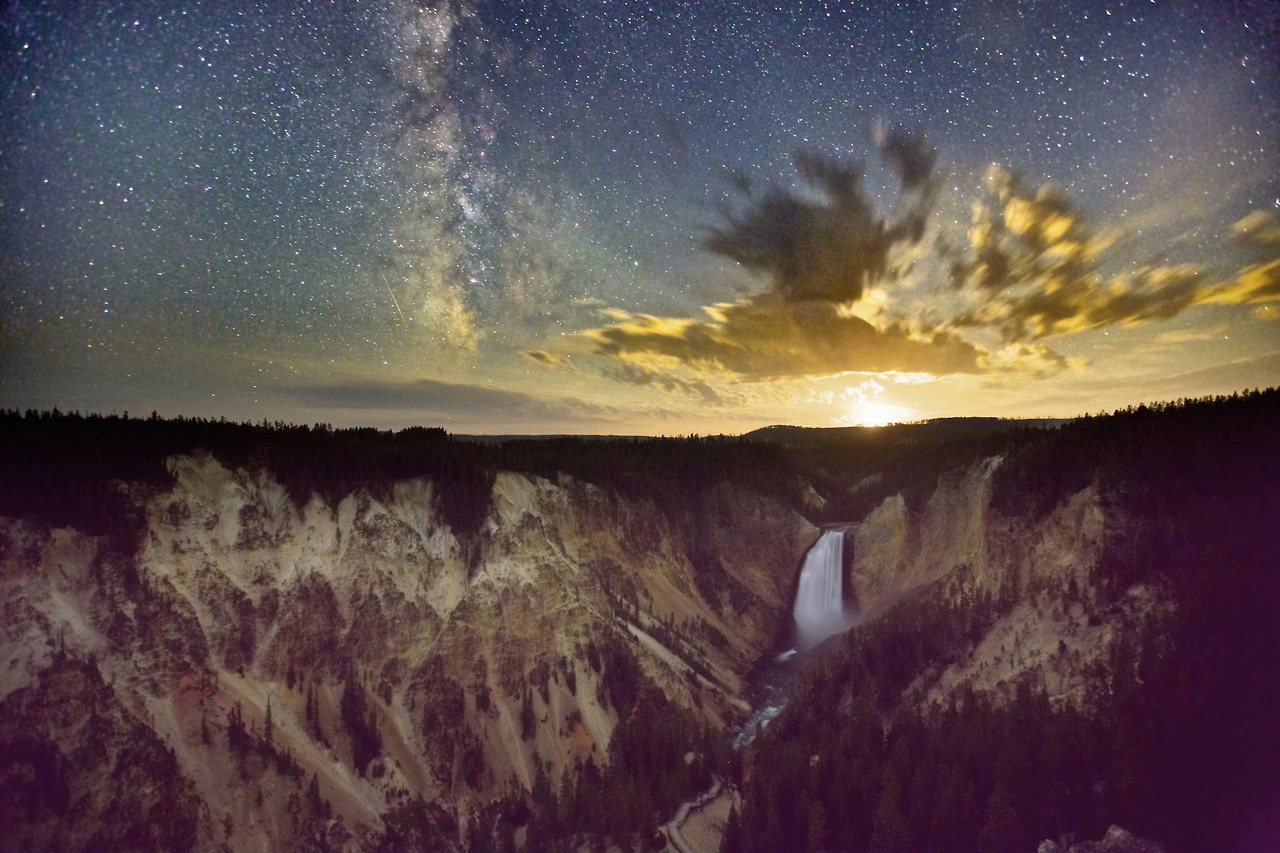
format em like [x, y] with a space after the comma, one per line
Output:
[65, 467]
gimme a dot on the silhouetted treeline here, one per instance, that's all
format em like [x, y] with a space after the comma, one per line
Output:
[1183, 742]
[66, 469]
[671, 471]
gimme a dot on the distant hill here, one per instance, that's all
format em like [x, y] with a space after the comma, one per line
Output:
[930, 431]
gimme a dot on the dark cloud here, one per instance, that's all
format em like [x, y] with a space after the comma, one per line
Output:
[439, 399]
[910, 156]
[543, 357]
[697, 388]
[828, 244]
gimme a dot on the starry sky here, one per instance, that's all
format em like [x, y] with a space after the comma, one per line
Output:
[605, 216]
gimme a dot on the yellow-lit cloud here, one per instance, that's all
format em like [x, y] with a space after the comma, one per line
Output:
[1260, 228]
[770, 338]
[1254, 283]
[1032, 269]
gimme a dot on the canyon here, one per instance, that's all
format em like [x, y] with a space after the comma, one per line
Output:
[208, 656]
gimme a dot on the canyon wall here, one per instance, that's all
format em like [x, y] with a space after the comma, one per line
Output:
[305, 670]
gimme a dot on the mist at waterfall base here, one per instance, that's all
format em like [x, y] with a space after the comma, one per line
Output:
[819, 613]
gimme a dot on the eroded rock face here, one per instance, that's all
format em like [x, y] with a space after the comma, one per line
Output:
[78, 771]
[338, 672]
[303, 672]
[896, 552]
[1050, 630]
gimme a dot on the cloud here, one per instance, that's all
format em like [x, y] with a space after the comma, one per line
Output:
[1186, 336]
[769, 338]
[1260, 229]
[828, 244]
[853, 291]
[1255, 283]
[438, 399]
[1032, 270]
[1020, 237]
[696, 388]
[910, 156]
[540, 356]
[1076, 304]
[823, 248]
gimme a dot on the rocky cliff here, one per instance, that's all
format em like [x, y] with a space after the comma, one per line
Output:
[300, 671]
[958, 550]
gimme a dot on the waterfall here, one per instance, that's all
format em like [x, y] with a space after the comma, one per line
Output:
[819, 610]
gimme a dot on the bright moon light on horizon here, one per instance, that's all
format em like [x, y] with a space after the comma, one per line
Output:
[873, 414]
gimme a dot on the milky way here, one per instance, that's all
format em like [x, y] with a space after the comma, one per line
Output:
[512, 217]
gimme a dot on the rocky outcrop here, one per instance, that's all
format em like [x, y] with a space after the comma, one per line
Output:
[79, 771]
[896, 551]
[1117, 840]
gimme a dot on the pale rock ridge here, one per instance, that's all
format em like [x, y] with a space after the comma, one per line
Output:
[896, 553]
[960, 548]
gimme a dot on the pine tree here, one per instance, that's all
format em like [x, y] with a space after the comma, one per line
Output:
[237, 738]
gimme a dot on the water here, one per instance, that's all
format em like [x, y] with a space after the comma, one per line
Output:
[819, 609]
[819, 612]
[757, 722]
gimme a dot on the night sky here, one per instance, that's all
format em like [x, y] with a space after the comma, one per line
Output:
[636, 218]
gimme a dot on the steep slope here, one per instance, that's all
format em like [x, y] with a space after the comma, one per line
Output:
[1037, 574]
[335, 672]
